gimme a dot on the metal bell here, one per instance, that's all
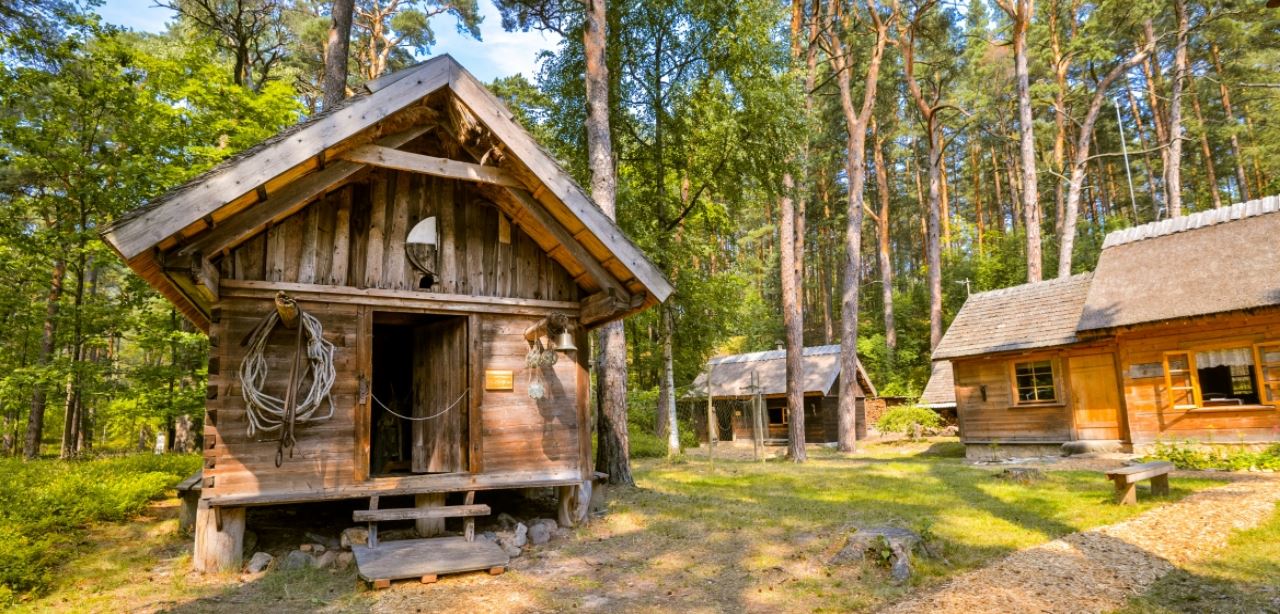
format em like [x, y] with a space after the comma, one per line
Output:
[564, 342]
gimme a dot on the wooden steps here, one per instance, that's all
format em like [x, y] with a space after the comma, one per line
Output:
[415, 513]
[426, 559]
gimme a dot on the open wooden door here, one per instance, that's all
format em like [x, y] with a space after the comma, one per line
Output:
[439, 395]
[1095, 397]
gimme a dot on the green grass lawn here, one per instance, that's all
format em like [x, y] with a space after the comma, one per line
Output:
[694, 536]
[1244, 578]
[747, 534]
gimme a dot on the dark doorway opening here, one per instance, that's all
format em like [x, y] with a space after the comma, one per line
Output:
[418, 413]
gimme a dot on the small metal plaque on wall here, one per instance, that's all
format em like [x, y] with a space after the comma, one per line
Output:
[499, 380]
[1146, 369]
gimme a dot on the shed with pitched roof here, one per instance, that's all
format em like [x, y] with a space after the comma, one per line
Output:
[399, 261]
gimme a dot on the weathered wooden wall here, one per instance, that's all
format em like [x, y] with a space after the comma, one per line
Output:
[998, 418]
[355, 237]
[1151, 412]
[520, 440]
[343, 256]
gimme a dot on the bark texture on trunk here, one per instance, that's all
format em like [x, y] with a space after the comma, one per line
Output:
[336, 52]
[35, 420]
[883, 249]
[791, 322]
[668, 395]
[856, 121]
[613, 445]
[1020, 13]
[1241, 180]
[1080, 161]
[1173, 170]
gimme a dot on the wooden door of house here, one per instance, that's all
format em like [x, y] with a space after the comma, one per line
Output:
[1095, 397]
[439, 397]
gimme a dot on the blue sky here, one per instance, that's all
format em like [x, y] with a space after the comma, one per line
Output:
[499, 54]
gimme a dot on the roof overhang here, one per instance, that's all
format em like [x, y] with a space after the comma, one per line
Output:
[172, 241]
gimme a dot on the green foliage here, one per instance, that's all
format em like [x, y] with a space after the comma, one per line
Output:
[642, 426]
[1188, 455]
[44, 505]
[904, 418]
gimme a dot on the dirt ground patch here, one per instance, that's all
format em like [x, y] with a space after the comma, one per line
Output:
[1100, 569]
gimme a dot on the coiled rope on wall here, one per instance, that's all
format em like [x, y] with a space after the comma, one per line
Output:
[269, 413]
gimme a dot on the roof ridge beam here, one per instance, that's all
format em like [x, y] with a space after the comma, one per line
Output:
[387, 157]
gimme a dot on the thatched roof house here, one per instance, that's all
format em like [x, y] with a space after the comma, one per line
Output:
[1176, 334]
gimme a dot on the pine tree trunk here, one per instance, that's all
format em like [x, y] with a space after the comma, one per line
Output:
[337, 50]
[1173, 171]
[35, 420]
[1242, 182]
[669, 382]
[1206, 153]
[932, 241]
[1021, 16]
[613, 445]
[882, 239]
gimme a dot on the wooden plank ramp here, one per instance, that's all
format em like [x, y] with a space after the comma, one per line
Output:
[425, 559]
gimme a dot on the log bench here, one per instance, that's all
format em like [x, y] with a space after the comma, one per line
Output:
[1127, 478]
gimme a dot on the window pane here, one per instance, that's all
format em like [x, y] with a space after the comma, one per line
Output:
[1180, 380]
[1271, 354]
[1026, 381]
[1045, 394]
[1183, 398]
[1178, 362]
[1044, 379]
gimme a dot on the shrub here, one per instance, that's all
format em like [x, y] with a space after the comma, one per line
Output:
[45, 504]
[903, 419]
[1189, 456]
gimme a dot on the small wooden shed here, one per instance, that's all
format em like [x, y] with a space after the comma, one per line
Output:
[1175, 336]
[440, 251]
[738, 378]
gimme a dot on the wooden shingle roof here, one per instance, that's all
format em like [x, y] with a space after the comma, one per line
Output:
[1023, 317]
[731, 375]
[941, 389]
[1215, 261]
[174, 241]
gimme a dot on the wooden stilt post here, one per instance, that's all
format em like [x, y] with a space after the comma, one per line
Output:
[219, 538]
[712, 435]
[567, 503]
[429, 527]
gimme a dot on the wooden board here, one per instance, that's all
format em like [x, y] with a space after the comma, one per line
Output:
[415, 558]
[1095, 397]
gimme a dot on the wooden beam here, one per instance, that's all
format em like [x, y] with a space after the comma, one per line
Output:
[387, 157]
[140, 233]
[414, 513]
[289, 200]
[494, 115]
[579, 253]
[606, 305]
[406, 299]
[206, 276]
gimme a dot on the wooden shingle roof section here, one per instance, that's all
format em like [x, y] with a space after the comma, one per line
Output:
[731, 376]
[940, 391]
[1215, 261]
[175, 241]
[1029, 316]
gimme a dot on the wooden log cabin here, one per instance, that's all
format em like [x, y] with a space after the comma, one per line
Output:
[737, 379]
[435, 244]
[1174, 337]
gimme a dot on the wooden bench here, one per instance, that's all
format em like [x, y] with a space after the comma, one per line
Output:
[425, 559]
[189, 494]
[1127, 478]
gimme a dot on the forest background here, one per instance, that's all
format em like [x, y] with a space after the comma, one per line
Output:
[894, 156]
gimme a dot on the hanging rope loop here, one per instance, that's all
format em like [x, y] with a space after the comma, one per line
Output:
[271, 414]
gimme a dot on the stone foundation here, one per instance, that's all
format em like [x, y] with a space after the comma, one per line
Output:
[1006, 451]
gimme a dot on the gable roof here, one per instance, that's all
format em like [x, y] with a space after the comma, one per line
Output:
[731, 375]
[1041, 314]
[941, 389]
[304, 161]
[1215, 261]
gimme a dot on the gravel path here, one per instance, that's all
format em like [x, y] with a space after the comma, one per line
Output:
[1097, 570]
